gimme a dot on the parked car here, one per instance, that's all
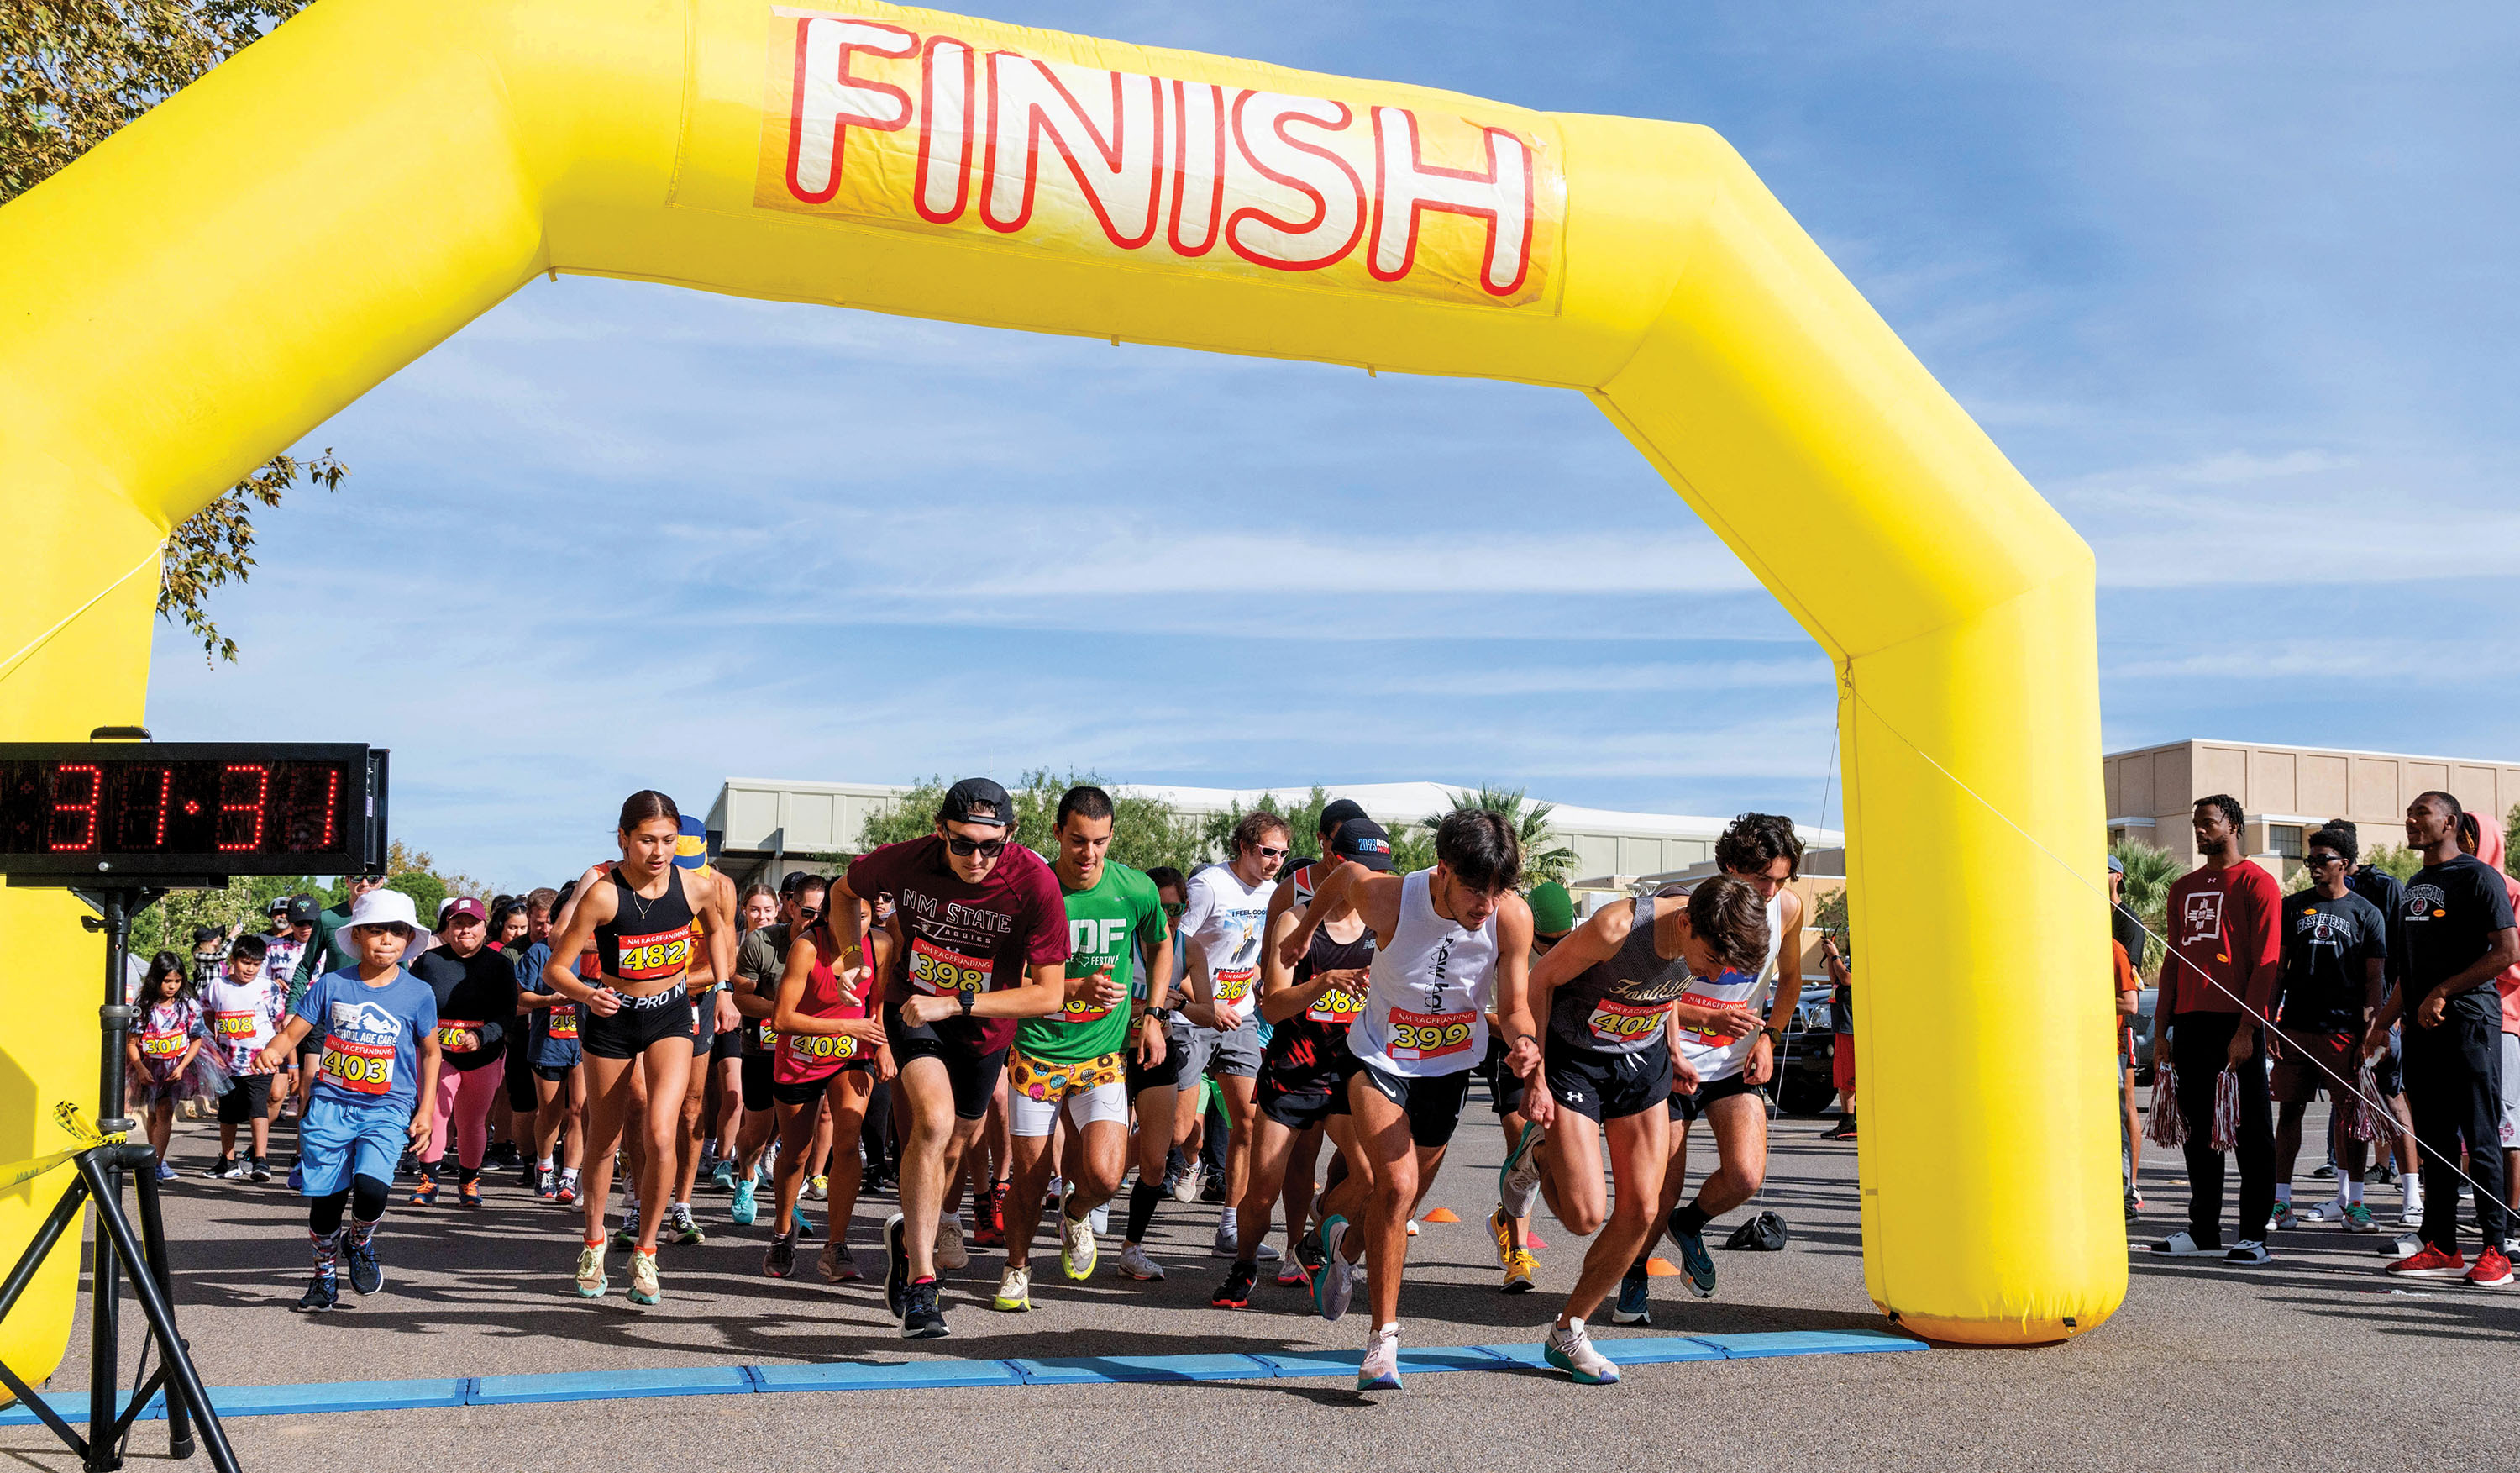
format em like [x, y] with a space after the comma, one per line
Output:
[1803, 1083]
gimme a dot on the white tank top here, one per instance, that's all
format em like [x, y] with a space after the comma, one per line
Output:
[1425, 1007]
[1721, 1056]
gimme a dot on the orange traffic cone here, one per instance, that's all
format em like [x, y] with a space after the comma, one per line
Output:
[1441, 1215]
[1661, 1268]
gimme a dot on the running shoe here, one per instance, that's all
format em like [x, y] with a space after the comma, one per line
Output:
[2493, 1269]
[1187, 1185]
[367, 1270]
[819, 1186]
[2249, 1252]
[219, 1170]
[2182, 1244]
[2429, 1261]
[722, 1176]
[1844, 1130]
[680, 1227]
[2325, 1171]
[1520, 1271]
[1696, 1265]
[1211, 1185]
[921, 1319]
[835, 1265]
[167, 1172]
[896, 1267]
[644, 1287]
[1307, 1253]
[237, 1171]
[1235, 1292]
[547, 1186]
[1014, 1290]
[991, 1211]
[567, 1191]
[1380, 1370]
[591, 1282]
[1228, 1238]
[951, 1256]
[424, 1194]
[258, 1172]
[1501, 1231]
[1291, 1274]
[321, 1295]
[741, 1208]
[2413, 1212]
[780, 1261]
[1336, 1280]
[2357, 1219]
[1571, 1351]
[467, 1190]
[1635, 1305]
[1518, 1179]
[1077, 1252]
[627, 1234]
[2284, 1218]
[1413, 1227]
[1133, 1264]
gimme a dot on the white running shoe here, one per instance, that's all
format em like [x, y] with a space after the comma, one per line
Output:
[1100, 1218]
[1380, 1370]
[1014, 1290]
[1133, 1264]
[951, 1256]
[591, 1282]
[1571, 1351]
[1077, 1252]
[1413, 1227]
[2413, 1212]
[1187, 1185]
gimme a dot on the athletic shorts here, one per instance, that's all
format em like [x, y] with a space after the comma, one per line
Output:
[1233, 1054]
[248, 1099]
[1088, 1089]
[1841, 1061]
[1505, 1086]
[312, 1045]
[1433, 1104]
[1302, 1106]
[1600, 1086]
[558, 1074]
[729, 1044]
[703, 1024]
[641, 1023]
[2510, 1095]
[757, 1079]
[336, 1143]
[2388, 1072]
[1166, 1074]
[806, 1092]
[974, 1076]
[2298, 1076]
[1690, 1107]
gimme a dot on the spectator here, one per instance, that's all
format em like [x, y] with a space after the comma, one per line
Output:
[2334, 958]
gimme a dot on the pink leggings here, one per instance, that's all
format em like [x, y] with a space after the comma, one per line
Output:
[464, 1104]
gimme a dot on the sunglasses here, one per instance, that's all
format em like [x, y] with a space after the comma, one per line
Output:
[986, 848]
[1271, 854]
[2323, 861]
[809, 912]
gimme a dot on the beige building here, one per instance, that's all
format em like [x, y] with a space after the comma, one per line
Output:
[2286, 793]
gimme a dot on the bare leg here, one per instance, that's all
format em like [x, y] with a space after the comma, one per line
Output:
[670, 1067]
[1264, 1174]
[608, 1099]
[1640, 1150]
[1241, 1108]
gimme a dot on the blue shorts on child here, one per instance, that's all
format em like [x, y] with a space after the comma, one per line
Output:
[337, 1141]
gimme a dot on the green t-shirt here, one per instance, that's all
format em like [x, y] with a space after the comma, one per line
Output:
[1105, 926]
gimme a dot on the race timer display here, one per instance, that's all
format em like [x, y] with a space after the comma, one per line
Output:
[136, 808]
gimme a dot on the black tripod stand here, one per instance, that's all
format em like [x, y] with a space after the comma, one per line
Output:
[119, 1251]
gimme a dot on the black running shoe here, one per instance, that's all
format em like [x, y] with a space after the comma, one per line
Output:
[1634, 1304]
[781, 1261]
[921, 1319]
[1235, 1292]
[259, 1171]
[367, 1272]
[320, 1296]
[896, 1267]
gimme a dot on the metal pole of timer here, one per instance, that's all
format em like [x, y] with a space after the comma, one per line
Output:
[119, 1250]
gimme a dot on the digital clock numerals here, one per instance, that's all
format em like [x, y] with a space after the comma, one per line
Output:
[237, 808]
[77, 789]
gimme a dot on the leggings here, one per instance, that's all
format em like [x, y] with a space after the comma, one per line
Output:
[365, 1199]
[464, 1104]
[876, 1135]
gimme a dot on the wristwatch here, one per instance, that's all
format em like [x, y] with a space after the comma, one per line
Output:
[1774, 1035]
[966, 998]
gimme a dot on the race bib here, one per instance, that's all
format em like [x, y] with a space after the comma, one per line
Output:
[1234, 985]
[1429, 1035]
[769, 1036]
[645, 959]
[161, 1045]
[360, 1068]
[235, 1026]
[933, 969]
[449, 1033]
[1336, 1005]
[564, 1021]
[1627, 1022]
[1710, 1039]
[821, 1050]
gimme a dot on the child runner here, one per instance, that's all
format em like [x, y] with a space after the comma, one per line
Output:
[244, 1008]
[166, 1053]
[830, 1049]
[379, 1059]
[552, 1053]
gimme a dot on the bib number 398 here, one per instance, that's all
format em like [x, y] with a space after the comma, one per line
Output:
[1429, 1035]
[933, 969]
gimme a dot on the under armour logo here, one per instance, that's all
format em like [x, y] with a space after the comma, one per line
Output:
[1573, 1095]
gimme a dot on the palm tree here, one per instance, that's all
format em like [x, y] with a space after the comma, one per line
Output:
[1544, 858]
[2146, 889]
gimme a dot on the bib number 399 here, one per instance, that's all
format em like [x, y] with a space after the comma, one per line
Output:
[1429, 1035]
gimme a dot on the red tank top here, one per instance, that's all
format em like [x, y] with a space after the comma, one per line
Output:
[805, 1057]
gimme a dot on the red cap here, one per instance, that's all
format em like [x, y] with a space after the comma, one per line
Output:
[464, 906]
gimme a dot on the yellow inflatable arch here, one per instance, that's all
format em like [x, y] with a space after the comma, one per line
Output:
[237, 265]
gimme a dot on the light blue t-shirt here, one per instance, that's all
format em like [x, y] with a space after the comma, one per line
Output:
[371, 1037]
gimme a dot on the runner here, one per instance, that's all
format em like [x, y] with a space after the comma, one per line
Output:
[1303, 1071]
[476, 989]
[986, 945]
[756, 906]
[552, 1057]
[1070, 1065]
[1611, 995]
[1763, 851]
[244, 1008]
[1553, 917]
[1228, 904]
[711, 1010]
[831, 1048]
[326, 951]
[378, 1030]
[760, 962]
[292, 931]
[168, 1054]
[1450, 938]
[1159, 1061]
[511, 1111]
[636, 1009]
[2335, 957]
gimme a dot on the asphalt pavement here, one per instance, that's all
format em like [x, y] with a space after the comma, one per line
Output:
[2312, 1361]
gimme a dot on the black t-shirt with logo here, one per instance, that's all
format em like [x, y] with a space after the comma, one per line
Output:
[2328, 949]
[2451, 911]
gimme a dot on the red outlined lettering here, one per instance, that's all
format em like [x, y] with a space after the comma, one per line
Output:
[84, 809]
[332, 806]
[253, 807]
[1260, 122]
[1198, 123]
[824, 100]
[1406, 185]
[1022, 93]
[946, 77]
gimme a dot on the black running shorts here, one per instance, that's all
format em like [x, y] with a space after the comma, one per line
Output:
[756, 1082]
[641, 1023]
[1688, 1107]
[1602, 1085]
[974, 1076]
[1433, 1104]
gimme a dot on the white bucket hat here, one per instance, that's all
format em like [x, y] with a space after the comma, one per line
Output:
[383, 907]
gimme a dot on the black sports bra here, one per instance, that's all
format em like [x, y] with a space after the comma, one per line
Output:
[646, 940]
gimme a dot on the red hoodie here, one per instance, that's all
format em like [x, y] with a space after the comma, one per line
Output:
[2227, 925]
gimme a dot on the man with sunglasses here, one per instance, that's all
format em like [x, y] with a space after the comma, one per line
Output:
[985, 933]
[2335, 953]
[1224, 924]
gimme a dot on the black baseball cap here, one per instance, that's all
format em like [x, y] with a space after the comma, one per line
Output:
[303, 910]
[1364, 841]
[977, 799]
[202, 935]
[1339, 811]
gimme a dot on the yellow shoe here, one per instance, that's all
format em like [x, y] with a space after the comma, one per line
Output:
[644, 1288]
[1520, 1270]
[1501, 1228]
[591, 1282]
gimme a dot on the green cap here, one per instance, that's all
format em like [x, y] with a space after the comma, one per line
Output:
[1552, 909]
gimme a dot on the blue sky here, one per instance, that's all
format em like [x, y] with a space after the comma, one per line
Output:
[2230, 285]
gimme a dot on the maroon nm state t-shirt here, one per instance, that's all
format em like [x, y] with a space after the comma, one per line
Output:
[963, 937]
